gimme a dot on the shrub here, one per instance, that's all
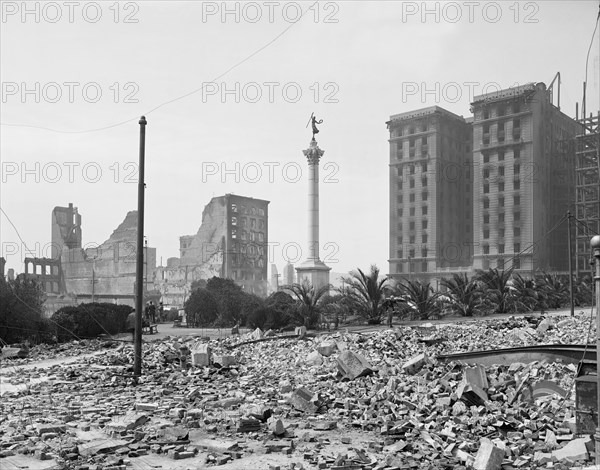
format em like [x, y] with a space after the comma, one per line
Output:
[90, 320]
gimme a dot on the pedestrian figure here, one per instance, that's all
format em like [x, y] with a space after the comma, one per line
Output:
[152, 312]
[390, 317]
[161, 312]
[131, 325]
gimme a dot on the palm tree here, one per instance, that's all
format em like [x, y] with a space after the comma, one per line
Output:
[495, 288]
[420, 300]
[307, 302]
[555, 290]
[366, 293]
[465, 296]
[525, 294]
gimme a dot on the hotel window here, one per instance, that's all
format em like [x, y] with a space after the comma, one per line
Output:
[500, 202]
[501, 156]
[517, 263]
[261, 224]
[486, 173]
[486, 203]
[424, 224]
[423, 238]
[486, 158]
[423, 167]
[500, 186]
[399, 199]
[500, 263]
[412, 211]
[517, 200]
[411, 197]
[501, 110]
[501, 217]
[516, 107]
[516, 154]
[517, 169]
[234, 233]
[411, 239]
[252, 223]
[501, 232]
[486, 113]
[412, 183]
[399, 184]
[424, 252]
[399, 240]
[501, 248]
[411, 130]
[399, 268]
[424, 181]
[423, 140]
[233, 207]
[399, 253]
[517, 184]
[486, 218]
[261, 212]
[424, 266]
[411, 226]
[412, 169]
[424, 195]
[517, 231]
[486, 249]
[517, 216]
[486, 234]
[411, 143]
[486, 188]
[517, 247]
[234, 221]
[500, 170]
[424, 210]
[399, 212]
[261, 237]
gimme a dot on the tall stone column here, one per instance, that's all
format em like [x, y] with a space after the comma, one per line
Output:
[313, 269]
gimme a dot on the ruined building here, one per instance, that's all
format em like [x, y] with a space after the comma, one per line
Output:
[231, 243]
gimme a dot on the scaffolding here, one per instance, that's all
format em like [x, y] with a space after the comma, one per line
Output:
[587, 190]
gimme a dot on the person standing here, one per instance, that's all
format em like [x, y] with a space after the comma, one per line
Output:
[131, 325]
[161, 312]
[152, 310]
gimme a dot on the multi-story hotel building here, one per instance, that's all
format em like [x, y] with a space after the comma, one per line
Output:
[485, 192]
[430, 193]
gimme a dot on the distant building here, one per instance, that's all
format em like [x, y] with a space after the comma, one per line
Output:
[66, 229]
[524, 180]
[288, 274]
[274, 284]
[231, 243]
[431, 220]
[484, 192]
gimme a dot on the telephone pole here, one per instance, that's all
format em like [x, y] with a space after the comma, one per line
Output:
[139, 269]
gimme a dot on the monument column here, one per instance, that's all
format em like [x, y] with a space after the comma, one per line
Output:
[313, 269]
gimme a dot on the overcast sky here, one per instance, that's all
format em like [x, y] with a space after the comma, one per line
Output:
[232, 89]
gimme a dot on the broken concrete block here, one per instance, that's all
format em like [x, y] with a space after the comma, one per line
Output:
[476, 375]
[489, 457]
[574, 450]
[257, 334]
[353, 365]
[146, 406]
[44, 428]
[300, 331]
[201, 355]
[224, 360]
[301, 399]
[544, 326]
[276, 426]
[471, 394]
[314, 358]
[127, 422]
[327, 348]
[415, 364]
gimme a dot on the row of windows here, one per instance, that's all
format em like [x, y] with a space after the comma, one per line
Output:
[502, 110]
[502, 170]
[501, 248]
[411, 239]
[248, 210]
[400, 211]
[501, 232]
[244, 222]
[410, 266]
[501, 201]
[501, 155]
[249, 236]
[411, 253]
[411, 225]
[516, 215]
[411, 197]
[411, 183]
[502, 264]
[502, 186]
[239, 275]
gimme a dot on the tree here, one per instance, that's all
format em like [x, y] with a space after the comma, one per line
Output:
[198, 284]
[306, 311]
[366, 293]
[464, 294]
[201, 308]
[21, 309]
[556, 291]
[496, 288]
[525, 295]
[229, 297]
[420, 300]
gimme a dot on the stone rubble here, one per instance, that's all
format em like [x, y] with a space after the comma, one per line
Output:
[372, 401]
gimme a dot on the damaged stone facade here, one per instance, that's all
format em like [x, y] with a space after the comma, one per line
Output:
[231, 243]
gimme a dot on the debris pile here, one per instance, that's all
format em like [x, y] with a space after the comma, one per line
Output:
[340, 401]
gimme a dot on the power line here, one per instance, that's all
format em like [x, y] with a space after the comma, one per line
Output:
[234, 66]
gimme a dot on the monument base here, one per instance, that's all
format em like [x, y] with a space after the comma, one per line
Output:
[314, 271]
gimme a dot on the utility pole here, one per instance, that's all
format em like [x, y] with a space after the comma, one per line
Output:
[570, 264]
[595, 244]
[139, 269]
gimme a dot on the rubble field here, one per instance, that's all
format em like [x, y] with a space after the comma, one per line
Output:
[339, 401]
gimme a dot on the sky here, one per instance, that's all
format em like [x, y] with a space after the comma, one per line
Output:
[228, 88]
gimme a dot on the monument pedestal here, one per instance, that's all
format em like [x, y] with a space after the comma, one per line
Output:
[315, 272]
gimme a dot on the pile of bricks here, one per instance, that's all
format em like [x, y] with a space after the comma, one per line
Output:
[377, 401]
